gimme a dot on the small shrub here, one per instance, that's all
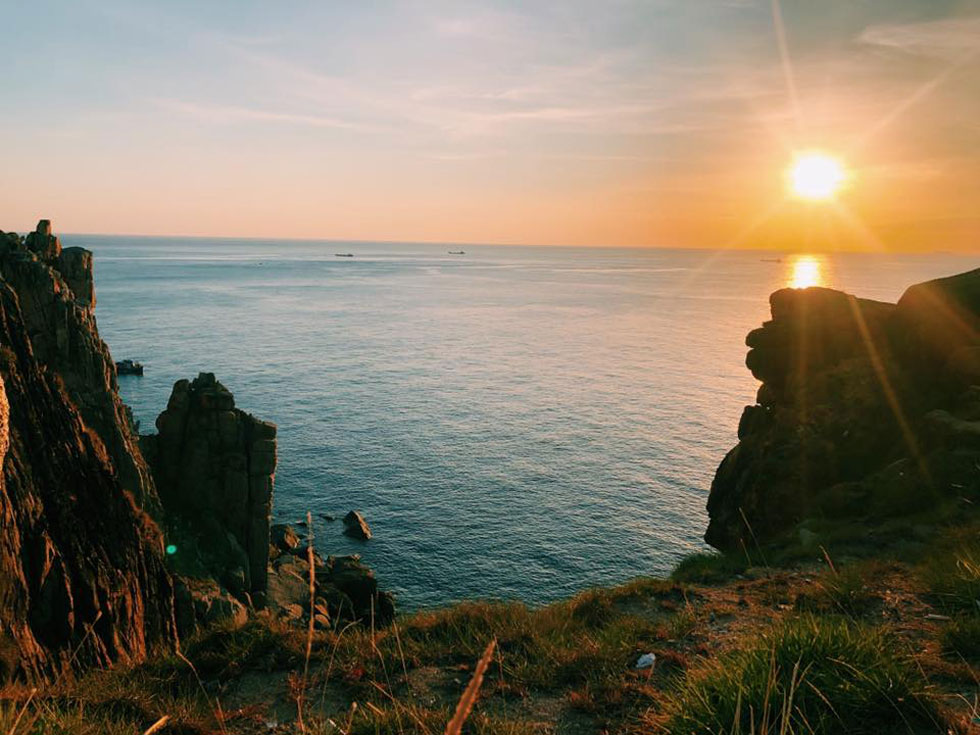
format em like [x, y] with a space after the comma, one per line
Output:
[953, 577]
[707, 568]
[809, 676]
[962, 638]
[593, 608]
[841, 592]
[681, 625]
[227, 650]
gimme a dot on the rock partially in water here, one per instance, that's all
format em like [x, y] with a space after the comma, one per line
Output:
[284, 538]
[344, 590]
[214, 467]
[356, 527]
[360, 597]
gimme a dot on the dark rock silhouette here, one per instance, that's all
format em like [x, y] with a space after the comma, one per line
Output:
[214, 467]
[82, 576]
[356, 527]
[867, 411]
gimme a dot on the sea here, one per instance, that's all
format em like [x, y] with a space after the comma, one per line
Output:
[513, 422]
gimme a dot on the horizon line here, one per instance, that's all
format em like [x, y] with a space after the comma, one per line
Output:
[470, 243]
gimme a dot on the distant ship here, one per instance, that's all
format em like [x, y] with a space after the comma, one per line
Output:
[457, 252]
[344, 255]
[772, 260]
[129, 367]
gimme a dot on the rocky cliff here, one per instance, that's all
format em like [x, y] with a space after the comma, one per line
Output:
[101, 558]
[56, 293]
[82, 576]
[867, 411]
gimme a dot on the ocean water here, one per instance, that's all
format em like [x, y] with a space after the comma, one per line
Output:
[515, 422]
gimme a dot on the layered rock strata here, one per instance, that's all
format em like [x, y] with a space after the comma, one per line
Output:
[82, 576]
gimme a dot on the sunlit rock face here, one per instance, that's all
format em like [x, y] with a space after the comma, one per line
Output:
[57, 302]
[82, 577]
[214, 467]
[867, 411]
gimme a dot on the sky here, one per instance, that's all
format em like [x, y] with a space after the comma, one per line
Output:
[656, 123]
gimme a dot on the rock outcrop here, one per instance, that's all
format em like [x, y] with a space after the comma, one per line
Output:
[214, 467]
[344, 588]
[867, 411]
[356, 527]
[57, 303]
[102, 559]
[82, 576]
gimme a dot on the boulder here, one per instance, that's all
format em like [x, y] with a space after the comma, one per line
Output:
[41, 242]
[344, 590]
[356, 527]
[352, 591]
[284, 538]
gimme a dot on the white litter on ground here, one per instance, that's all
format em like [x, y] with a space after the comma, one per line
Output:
[646, 661]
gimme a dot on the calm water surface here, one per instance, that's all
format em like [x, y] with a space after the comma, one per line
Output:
[514, 422]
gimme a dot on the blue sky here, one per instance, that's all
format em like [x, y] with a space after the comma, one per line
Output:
[640, 123]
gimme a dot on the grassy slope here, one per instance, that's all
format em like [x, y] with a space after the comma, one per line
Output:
[819, 647]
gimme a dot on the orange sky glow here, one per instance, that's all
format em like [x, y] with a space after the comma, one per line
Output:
[656, 124]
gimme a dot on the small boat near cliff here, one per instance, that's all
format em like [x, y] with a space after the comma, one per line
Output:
[129, 367]
[344, 255]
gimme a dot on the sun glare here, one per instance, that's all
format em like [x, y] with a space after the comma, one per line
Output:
[805, 272]
[816, 176]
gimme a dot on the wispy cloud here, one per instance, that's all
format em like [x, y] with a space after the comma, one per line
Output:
[949, 38]
[233, 114]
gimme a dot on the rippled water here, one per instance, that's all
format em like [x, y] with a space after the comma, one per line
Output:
[513, 422]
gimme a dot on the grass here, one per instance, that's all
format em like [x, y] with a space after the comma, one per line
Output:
[808, 676]
[731, 658]
[961, 638]
[952, 575]
[844, 591]
[708, 568]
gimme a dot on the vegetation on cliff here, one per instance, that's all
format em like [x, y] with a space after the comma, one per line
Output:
[859, 646]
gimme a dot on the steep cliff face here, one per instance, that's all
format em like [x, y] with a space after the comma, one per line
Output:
[214, 467]
[82, 578]
[57, 300]
[867, 410]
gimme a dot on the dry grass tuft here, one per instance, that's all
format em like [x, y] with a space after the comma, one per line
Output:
[466, 702]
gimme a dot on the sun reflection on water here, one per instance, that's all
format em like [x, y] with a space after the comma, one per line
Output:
[805, 271]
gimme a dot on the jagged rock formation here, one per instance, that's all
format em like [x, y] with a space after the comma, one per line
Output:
[356, 527]
[867, 411]
[82, 577]
[214, 467]
[57, 300]
[344, 588]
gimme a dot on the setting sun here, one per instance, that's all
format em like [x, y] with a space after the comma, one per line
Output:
[816, 176]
